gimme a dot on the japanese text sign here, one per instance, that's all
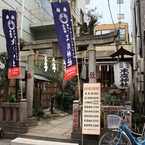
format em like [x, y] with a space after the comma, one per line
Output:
[91, 108]
[122, 75]
[10, 31]
[63, 25]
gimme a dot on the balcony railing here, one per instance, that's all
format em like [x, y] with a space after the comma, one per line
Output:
[43, 15]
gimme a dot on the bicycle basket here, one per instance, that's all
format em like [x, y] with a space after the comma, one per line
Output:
[114, 121]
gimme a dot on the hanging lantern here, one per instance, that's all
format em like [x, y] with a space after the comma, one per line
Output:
[122, 75]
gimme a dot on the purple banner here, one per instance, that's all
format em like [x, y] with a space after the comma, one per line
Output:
[10, 30]
[63, 25]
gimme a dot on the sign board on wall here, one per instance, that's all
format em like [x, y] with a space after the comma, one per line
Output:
[91, 108]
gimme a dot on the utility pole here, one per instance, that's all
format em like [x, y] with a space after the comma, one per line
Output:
[137, 49]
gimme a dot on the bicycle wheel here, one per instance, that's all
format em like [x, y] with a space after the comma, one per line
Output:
[112, 137]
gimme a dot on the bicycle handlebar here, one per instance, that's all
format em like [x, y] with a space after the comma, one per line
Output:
[127, 111]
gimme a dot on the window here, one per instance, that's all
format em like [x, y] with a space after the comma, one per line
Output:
[122, 34]
[105, 31]
[98, 32]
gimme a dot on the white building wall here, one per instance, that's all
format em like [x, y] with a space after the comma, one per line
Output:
[81, 4]
[17, 5]
[27, 33]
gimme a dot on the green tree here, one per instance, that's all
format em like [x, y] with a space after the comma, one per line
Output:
[58, 74]
[84, 29]
[67, 95]
[4, 81]
[87, 28]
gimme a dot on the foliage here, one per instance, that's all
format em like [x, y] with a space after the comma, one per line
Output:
[113, 100]
[84, 29]
[138, 120]
[87, 28]
[58, 74]
[4, 81]
[67, 95]
[38, 112]
[118, 42]
[13, 97]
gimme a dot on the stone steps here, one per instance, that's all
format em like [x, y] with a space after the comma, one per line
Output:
[26, 141]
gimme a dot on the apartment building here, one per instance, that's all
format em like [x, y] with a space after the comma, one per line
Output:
[35, 19]
[107, 28]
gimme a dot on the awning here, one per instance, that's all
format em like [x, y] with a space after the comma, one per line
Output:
[41, 78]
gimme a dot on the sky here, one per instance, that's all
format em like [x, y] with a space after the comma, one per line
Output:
[103, 8]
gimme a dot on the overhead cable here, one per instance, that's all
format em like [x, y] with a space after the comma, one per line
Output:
[111, 14]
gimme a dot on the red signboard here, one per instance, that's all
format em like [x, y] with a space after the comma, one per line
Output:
[14, 72]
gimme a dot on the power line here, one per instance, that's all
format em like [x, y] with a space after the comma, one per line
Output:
[111, 14]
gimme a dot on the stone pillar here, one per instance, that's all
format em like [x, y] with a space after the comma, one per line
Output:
[92, 63]
[30, 84]
[76, 115]
[23, 110]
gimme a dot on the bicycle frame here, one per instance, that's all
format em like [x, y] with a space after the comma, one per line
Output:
[124, 129]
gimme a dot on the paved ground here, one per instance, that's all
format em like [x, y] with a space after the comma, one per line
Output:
[59, 126]
[55, 129]
[5, 141]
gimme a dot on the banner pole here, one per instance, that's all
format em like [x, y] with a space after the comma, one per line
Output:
[19, 57]
[79, 91]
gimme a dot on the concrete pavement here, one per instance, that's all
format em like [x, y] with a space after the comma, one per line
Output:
[4, 141]
[58, 130]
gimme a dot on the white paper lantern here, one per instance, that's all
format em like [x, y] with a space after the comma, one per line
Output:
[122, 75]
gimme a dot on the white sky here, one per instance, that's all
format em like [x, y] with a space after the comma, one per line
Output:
[102, 8]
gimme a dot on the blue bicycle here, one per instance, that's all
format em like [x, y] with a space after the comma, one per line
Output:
[119, 133]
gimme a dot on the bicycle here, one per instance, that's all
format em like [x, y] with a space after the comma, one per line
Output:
[119, 133]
